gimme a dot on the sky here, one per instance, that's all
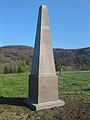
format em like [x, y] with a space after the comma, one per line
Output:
[69, 22]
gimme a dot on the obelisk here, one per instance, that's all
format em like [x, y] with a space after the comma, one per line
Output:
[43, 82]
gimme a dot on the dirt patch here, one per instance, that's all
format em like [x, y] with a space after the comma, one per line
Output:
[15, 109]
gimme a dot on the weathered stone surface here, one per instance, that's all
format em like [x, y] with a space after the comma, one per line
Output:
[43, 60]
[43, 82]
[43, 88]
[45, 105]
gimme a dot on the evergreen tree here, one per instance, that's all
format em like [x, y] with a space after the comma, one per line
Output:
[10, 70]
[14, 69]
[5, 71]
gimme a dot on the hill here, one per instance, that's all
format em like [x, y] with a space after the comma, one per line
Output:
[14, 54]
[67, 58]
[77, 58]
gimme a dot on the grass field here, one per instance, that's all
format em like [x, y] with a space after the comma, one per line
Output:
[75, 85]
[74, 89]
[14, 85]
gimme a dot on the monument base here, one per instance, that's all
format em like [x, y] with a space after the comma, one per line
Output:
[45, 105]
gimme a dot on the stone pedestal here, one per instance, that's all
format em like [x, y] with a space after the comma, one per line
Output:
[43, 88]
[43, 82]
[45, 105]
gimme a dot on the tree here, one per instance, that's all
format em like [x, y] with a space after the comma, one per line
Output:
[5, 71]
[24, 66]
[10, 70]
[14, 69]
[20, 69]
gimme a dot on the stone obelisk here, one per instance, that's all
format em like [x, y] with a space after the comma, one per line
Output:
[43, 82]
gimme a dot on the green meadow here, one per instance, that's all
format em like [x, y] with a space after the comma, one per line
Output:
[75, 85]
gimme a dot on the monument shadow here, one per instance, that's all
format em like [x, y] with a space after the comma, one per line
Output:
[12, 101]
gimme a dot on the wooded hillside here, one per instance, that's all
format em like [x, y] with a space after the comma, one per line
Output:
[78, 59]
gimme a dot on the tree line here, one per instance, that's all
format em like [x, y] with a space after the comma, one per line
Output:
[20, 68]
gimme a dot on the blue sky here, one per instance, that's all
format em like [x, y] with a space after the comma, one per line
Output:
[69, 22]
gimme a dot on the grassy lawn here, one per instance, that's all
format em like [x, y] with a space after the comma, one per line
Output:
[14, 85]
[75, 85]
